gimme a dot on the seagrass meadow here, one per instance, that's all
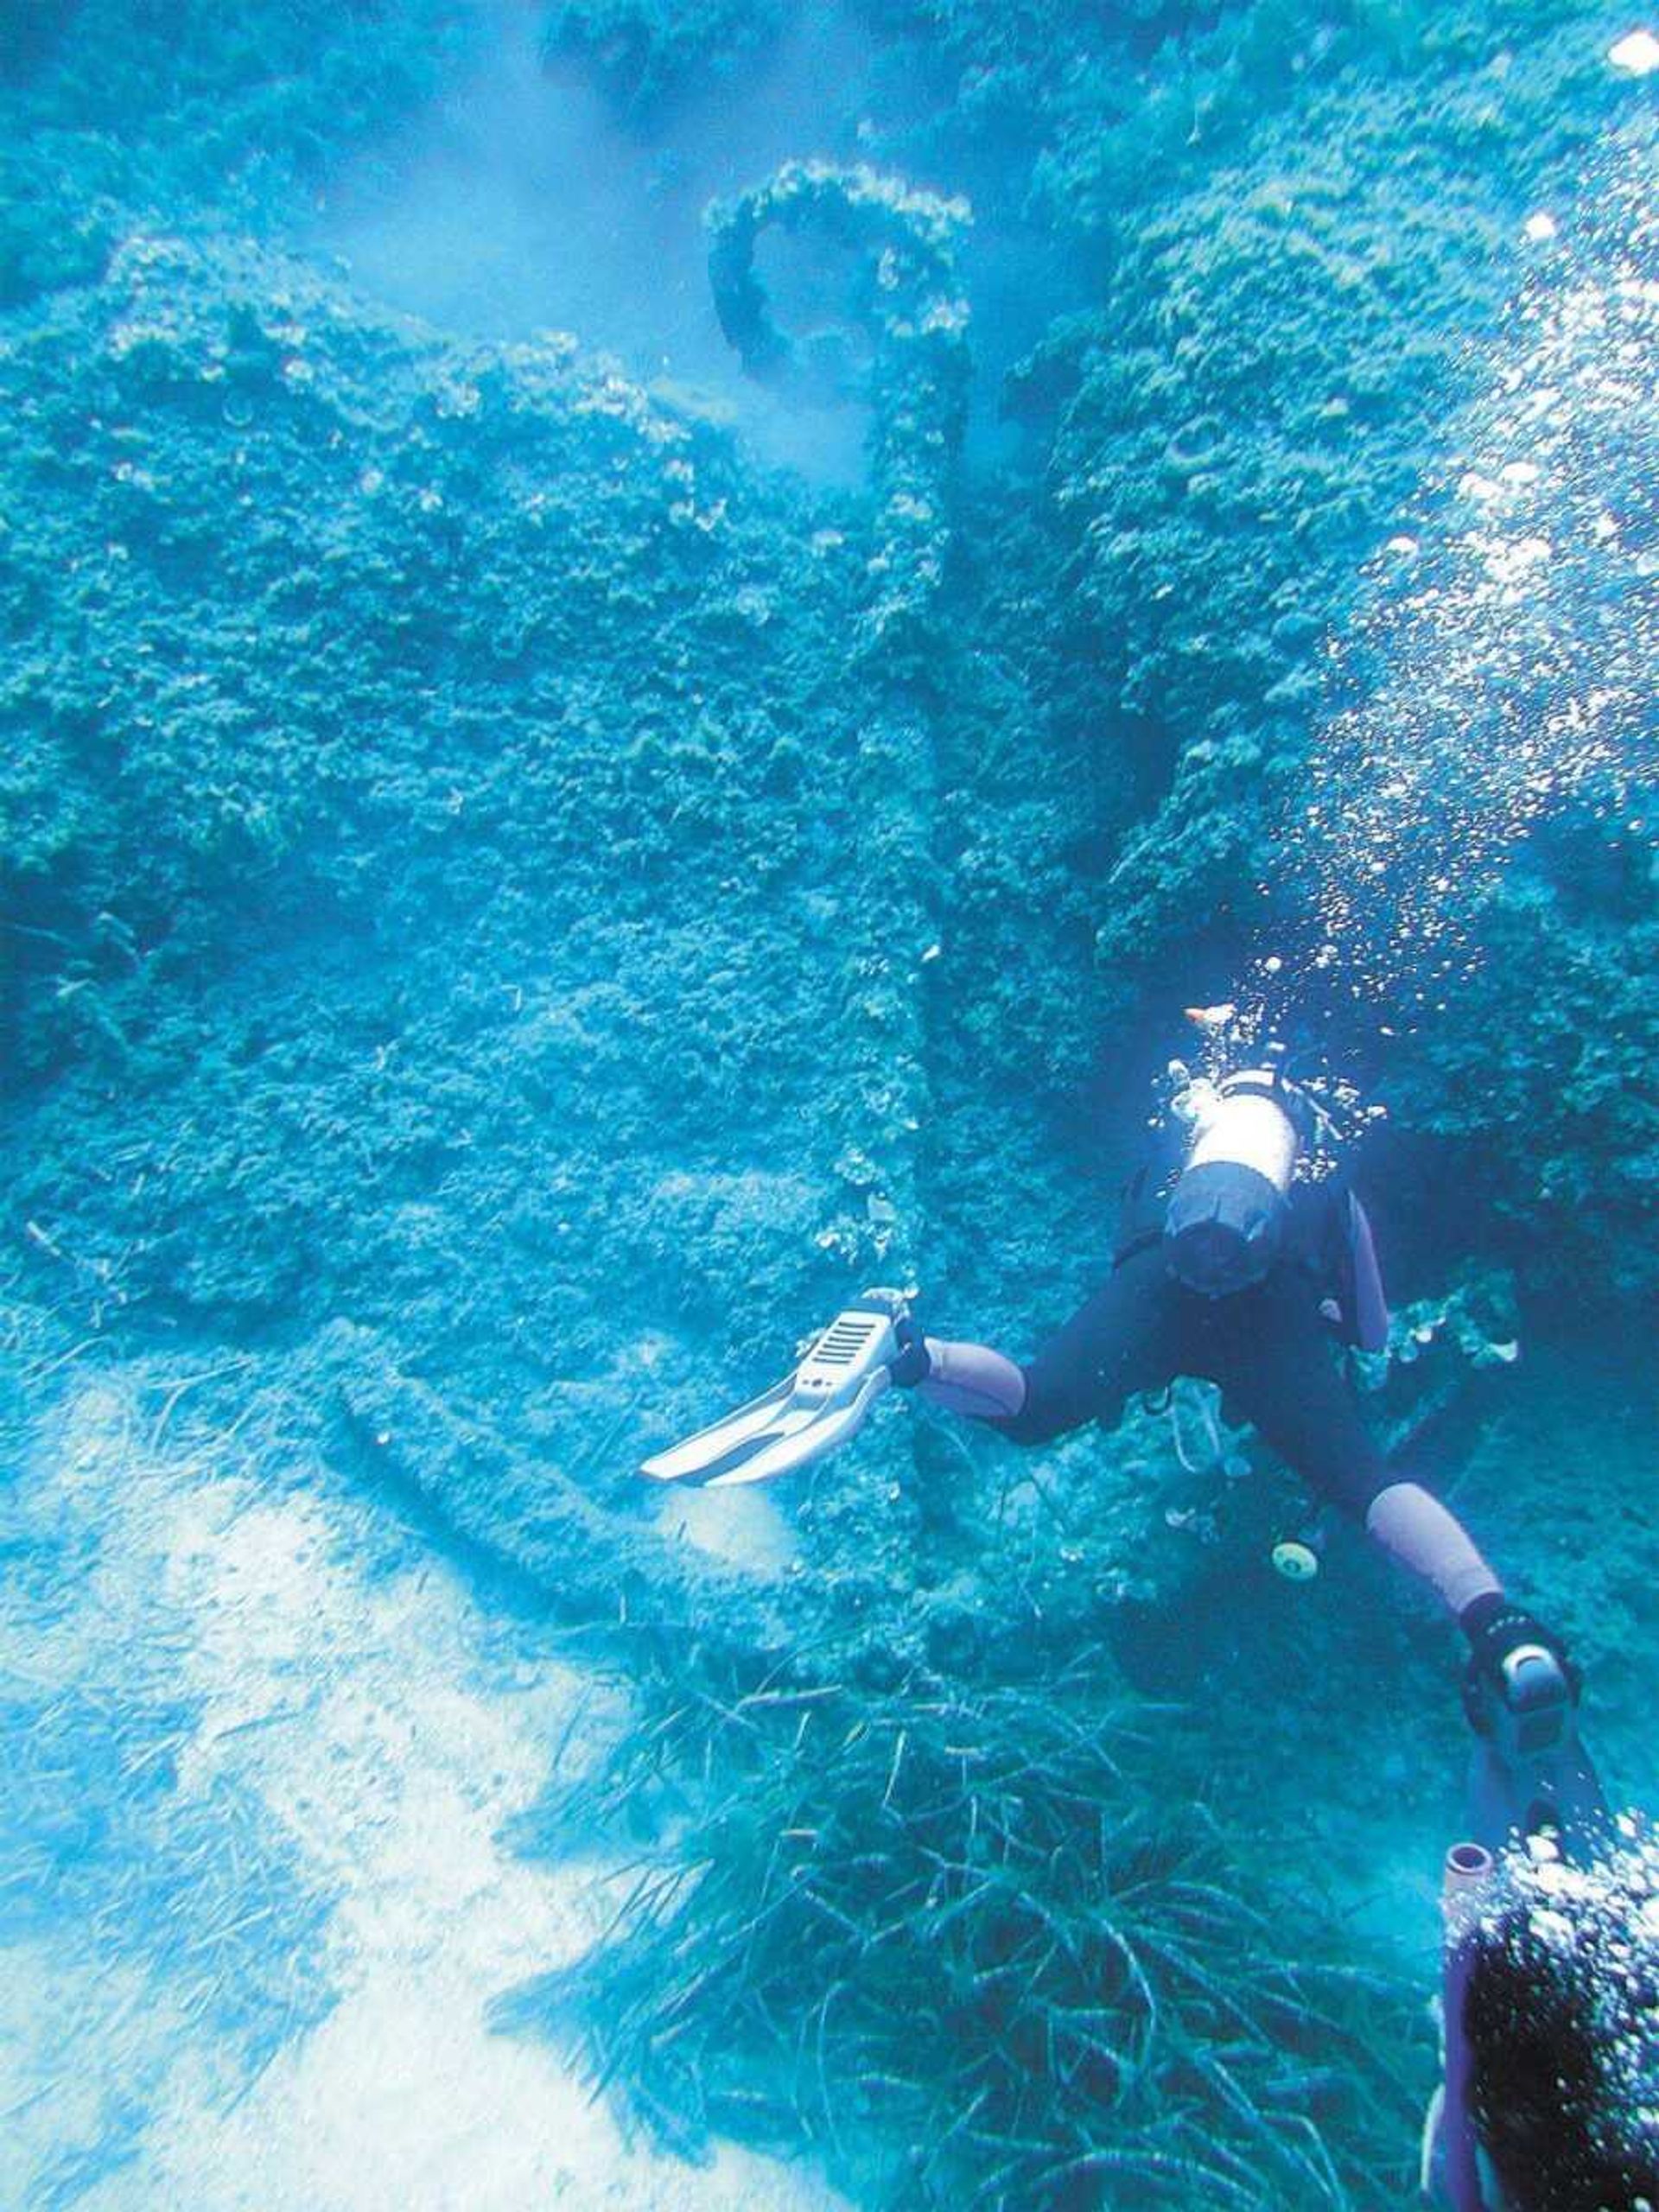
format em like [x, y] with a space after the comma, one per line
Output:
[649, 647]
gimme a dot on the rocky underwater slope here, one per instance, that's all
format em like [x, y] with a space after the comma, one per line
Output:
[515, 903]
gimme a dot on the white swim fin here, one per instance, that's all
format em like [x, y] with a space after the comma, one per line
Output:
[825, 1402]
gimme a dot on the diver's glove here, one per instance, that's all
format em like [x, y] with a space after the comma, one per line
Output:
[915, 1363]
[1520, 1687]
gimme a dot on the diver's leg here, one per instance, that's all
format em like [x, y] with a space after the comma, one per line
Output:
[1521, 1688]
[972, 1379]
[1427, 1538]
[1278, 1366]
[1115, 1344]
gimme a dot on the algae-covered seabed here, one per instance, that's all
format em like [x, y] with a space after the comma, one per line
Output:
[529, 872]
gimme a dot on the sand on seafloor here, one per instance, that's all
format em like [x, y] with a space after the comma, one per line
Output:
[383, 1723]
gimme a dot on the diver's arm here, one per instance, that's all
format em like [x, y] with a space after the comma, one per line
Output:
[1358, 1309]
[1368, 1324]
[1424, 1537]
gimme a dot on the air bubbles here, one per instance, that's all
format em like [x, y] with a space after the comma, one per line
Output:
[1508, 651]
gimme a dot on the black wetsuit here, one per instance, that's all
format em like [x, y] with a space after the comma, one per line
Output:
[1269, 1348]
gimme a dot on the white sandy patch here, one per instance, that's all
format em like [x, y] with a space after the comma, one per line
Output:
[356, 1688]
[745, 1528]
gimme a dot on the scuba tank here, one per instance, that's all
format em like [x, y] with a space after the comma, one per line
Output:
[1224, 1224]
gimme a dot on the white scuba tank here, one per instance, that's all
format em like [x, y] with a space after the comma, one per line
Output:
[1224, 1224]
[1251, 1128]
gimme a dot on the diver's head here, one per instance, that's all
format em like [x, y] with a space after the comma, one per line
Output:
[1224, 1225]
[1561, 2019]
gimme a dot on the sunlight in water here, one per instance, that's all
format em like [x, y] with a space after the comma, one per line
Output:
[1502, 678]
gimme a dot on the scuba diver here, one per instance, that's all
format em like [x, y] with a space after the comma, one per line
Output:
[1240, 1270]
[1549, 2094]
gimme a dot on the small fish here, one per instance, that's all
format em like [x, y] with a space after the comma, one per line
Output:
[1213, 1018]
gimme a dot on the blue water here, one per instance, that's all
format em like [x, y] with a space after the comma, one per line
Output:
[659, 660]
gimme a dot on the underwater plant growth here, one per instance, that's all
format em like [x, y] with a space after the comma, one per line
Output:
[971, 1922]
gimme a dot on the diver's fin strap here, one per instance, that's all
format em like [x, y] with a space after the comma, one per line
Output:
[824, 1402]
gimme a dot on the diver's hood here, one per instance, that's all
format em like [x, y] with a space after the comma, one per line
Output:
[1224, 1225]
